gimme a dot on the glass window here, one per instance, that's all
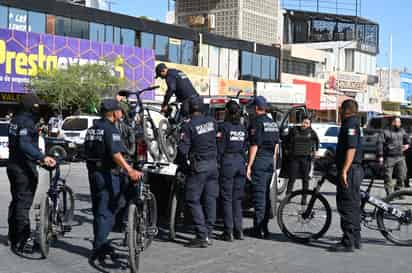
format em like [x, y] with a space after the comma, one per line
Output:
[273, 68]
[50, 24]
[187, 52]
[256, 66]
[97, 32]
[108, 34]
[80, 29]
[116, 36]
[161, 47]
[128, 37]
[224, 63]
[146, 40]
[214, 60]
[3, 17]
[37, 22]
[265, 67]
[17, 19]
[75, 124]
[332, 131]
[174, 50]
[246, 65]
[63, 27]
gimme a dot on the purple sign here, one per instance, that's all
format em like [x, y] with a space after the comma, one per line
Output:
[23, 54]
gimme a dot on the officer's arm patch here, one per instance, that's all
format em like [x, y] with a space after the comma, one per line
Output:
[116, 137]
[219, 135]
[351, 132]
[23, 132]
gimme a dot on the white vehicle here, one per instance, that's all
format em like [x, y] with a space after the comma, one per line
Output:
[74, 128]
[328, 136]
[4, 142]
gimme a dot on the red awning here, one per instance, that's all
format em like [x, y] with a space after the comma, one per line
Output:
[313, 92]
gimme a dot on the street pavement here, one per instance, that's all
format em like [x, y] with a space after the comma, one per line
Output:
[277, 255]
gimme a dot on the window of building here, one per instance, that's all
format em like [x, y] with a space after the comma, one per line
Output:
[50, 24]
[63, 26]
[97, 32]
[37, 22]
[187, 52]
[174, 50]
[128, 37]
[265, 67]
[299, 68]
[108, 34]
[17, 19]
[79, 29]
[256, 66]
[349, 60]
[146, 40]
[116, 36]
[161, 46]
[246, 69]
[273, 68]
[3, 16]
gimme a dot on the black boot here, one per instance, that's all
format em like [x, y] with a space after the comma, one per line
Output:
[197, 243]
[340, 247]
[238, 235]
[226, 236]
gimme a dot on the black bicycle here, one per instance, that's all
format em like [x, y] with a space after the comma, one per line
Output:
[305, 215]
[55, 212]
[142, 219]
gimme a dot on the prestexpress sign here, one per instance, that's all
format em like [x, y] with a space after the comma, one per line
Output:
[24, 54]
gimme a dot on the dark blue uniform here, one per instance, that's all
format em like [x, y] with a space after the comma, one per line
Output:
[348, 199]
[102, 142]
[179, 84]
[198, 143]
[264, 133]
[232, 148]
[22, 173]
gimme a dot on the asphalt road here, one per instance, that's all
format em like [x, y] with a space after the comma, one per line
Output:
[276, 255]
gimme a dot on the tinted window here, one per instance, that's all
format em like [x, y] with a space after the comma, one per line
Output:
[257, 61]
[37, 22]
[3, 17]
[187, 52]
[246, 65]
[17, 19]
[174, 50]
[128, 37]
[97, 32]
[332, 132]
[4, 129]
[116, 38]
[273, 68]
[80, 29]
[146, 40]
[75, 124]
[379, 123]
[63, 26]
[108, 37]
[265, 67]
[161, 47]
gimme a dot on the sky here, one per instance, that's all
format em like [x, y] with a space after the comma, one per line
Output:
[393, 16]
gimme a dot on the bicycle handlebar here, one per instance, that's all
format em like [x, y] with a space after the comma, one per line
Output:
[125, 93]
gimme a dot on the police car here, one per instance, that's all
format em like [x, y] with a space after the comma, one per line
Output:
[328, 136]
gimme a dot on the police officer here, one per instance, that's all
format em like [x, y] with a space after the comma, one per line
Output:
[104, 159]
[350, 176]
[232, 147]
[303, 142]
[264, 138]
[178, 84]
[392, 144]
[198, 145]
[21, 170]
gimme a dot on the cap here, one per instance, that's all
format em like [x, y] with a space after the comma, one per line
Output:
[109, 105]
[196, 105]
[159, 69]
[30, 100]
[260, 102]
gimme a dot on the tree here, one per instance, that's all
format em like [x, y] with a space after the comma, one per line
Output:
[78, 87]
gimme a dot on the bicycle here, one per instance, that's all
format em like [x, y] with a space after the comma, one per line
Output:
[56, 210]
[142, 220]
[317, 213]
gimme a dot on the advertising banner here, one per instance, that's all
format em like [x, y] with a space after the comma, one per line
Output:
[23, 54]
[199, 76]
[282, 93]
[231, 87]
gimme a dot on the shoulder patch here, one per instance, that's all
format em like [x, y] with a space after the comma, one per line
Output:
[116, 137]
[351, 132]
[23, 132]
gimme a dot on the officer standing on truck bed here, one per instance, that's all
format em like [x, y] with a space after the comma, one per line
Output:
[392, 144]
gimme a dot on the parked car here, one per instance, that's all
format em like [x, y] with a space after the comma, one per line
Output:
[328, 136]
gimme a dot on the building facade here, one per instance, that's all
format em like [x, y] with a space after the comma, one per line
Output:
[251, 20]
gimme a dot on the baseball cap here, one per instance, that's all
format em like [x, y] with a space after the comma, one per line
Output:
[159, 69]
[109, 105]
[260, 102]
[196, 105]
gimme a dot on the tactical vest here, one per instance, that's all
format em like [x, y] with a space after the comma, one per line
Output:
[302, 143]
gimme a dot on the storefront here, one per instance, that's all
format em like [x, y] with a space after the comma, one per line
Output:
[282, 95]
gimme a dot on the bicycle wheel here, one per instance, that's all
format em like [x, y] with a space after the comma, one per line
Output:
[134, 236]
[66, 205]
[45, 226]
[303, 223]
[150, 138]
[150, 212]
[167, 140]
[397, 230]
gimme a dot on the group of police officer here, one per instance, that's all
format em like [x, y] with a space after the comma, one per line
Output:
[214, 156]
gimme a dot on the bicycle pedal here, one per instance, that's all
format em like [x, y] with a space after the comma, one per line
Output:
[66, 228]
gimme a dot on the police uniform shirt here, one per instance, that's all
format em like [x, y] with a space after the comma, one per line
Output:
[198, 138]
[349, 138]
[103, 140]
[178, 84]
[231, 138]
[24, 139]
[264, 133]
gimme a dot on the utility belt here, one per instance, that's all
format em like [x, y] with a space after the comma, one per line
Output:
[99, 166]
[201, 164]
